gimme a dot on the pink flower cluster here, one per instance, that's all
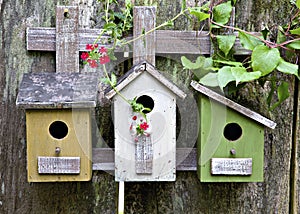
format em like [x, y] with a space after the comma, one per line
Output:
[94, 55]
[140, 127]
[144, 126]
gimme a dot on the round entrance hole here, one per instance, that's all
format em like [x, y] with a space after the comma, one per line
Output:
[147, 102]
[232, 131]
[58, 129]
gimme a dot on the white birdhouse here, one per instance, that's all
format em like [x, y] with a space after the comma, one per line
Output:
[145, 146]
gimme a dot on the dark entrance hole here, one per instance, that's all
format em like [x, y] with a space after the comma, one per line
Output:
[147, 102]
[58, 129]
[232, 131]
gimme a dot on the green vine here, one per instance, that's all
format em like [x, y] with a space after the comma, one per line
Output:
[221, 69]
[267, 55]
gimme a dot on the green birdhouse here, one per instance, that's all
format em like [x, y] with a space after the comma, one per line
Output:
[230, 141]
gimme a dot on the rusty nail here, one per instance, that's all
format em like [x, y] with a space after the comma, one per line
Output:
[57, 150]
[66, 13]
[232, 151]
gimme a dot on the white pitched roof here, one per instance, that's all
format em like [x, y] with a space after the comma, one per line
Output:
[138, 70]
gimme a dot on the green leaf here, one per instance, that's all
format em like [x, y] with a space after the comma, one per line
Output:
[225, 76]
[113, 79]
[105, 80]
[210, 79]
[265, 59]
[280, 35]
[196, 11]
[237, 64]
[241, 75]
[222, 13]
[110, 26]
[295, 31]
[282, 93]
[226, 43]
[298, 4]
[248, 41]
[201, 67]
[294, 45]
[170, 23]
[287, 68]
[205, 68]
[187, 64]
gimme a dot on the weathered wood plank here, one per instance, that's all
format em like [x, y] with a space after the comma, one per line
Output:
[144, 19]
[58, 90]
[231, 166]
[59, 165]
[167, 41]
[241, 109]
[103, 159]
[67, 59]
[144, 155]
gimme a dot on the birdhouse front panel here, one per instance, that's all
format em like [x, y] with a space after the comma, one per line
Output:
[149, 156]
[59, 145]
[230, 145]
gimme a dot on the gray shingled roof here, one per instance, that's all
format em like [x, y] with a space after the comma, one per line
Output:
[58, 90]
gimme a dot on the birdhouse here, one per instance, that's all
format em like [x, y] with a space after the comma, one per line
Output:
[58, 125]
[145, 145]
[230, 141]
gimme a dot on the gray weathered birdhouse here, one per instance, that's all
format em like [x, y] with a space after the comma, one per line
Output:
[58, 125]
[151, 155]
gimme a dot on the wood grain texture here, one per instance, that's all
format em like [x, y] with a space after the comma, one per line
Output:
[103, 159]
[144, 19]
[67, 53]
[187, 194]
[58, 90]
[166, 41]
[237, 107]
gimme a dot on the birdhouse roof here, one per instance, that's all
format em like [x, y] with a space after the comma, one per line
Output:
[58, 90]
[237, 107]
[136, 71]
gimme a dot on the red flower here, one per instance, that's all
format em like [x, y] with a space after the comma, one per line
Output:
[104, 59]
[103, 50]
[91, 47]
[84, 56]
[92, 63]
[134, 117]
[144, 126]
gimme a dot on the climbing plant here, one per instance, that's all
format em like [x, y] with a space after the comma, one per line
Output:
[268, 54]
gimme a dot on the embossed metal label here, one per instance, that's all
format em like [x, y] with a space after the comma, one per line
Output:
[231, 166]
[59, 165]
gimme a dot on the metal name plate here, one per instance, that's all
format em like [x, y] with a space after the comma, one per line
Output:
[59, 165]
[231, 166]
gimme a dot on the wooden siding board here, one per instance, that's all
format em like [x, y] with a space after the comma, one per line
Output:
[167, 41]
[104, 159]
